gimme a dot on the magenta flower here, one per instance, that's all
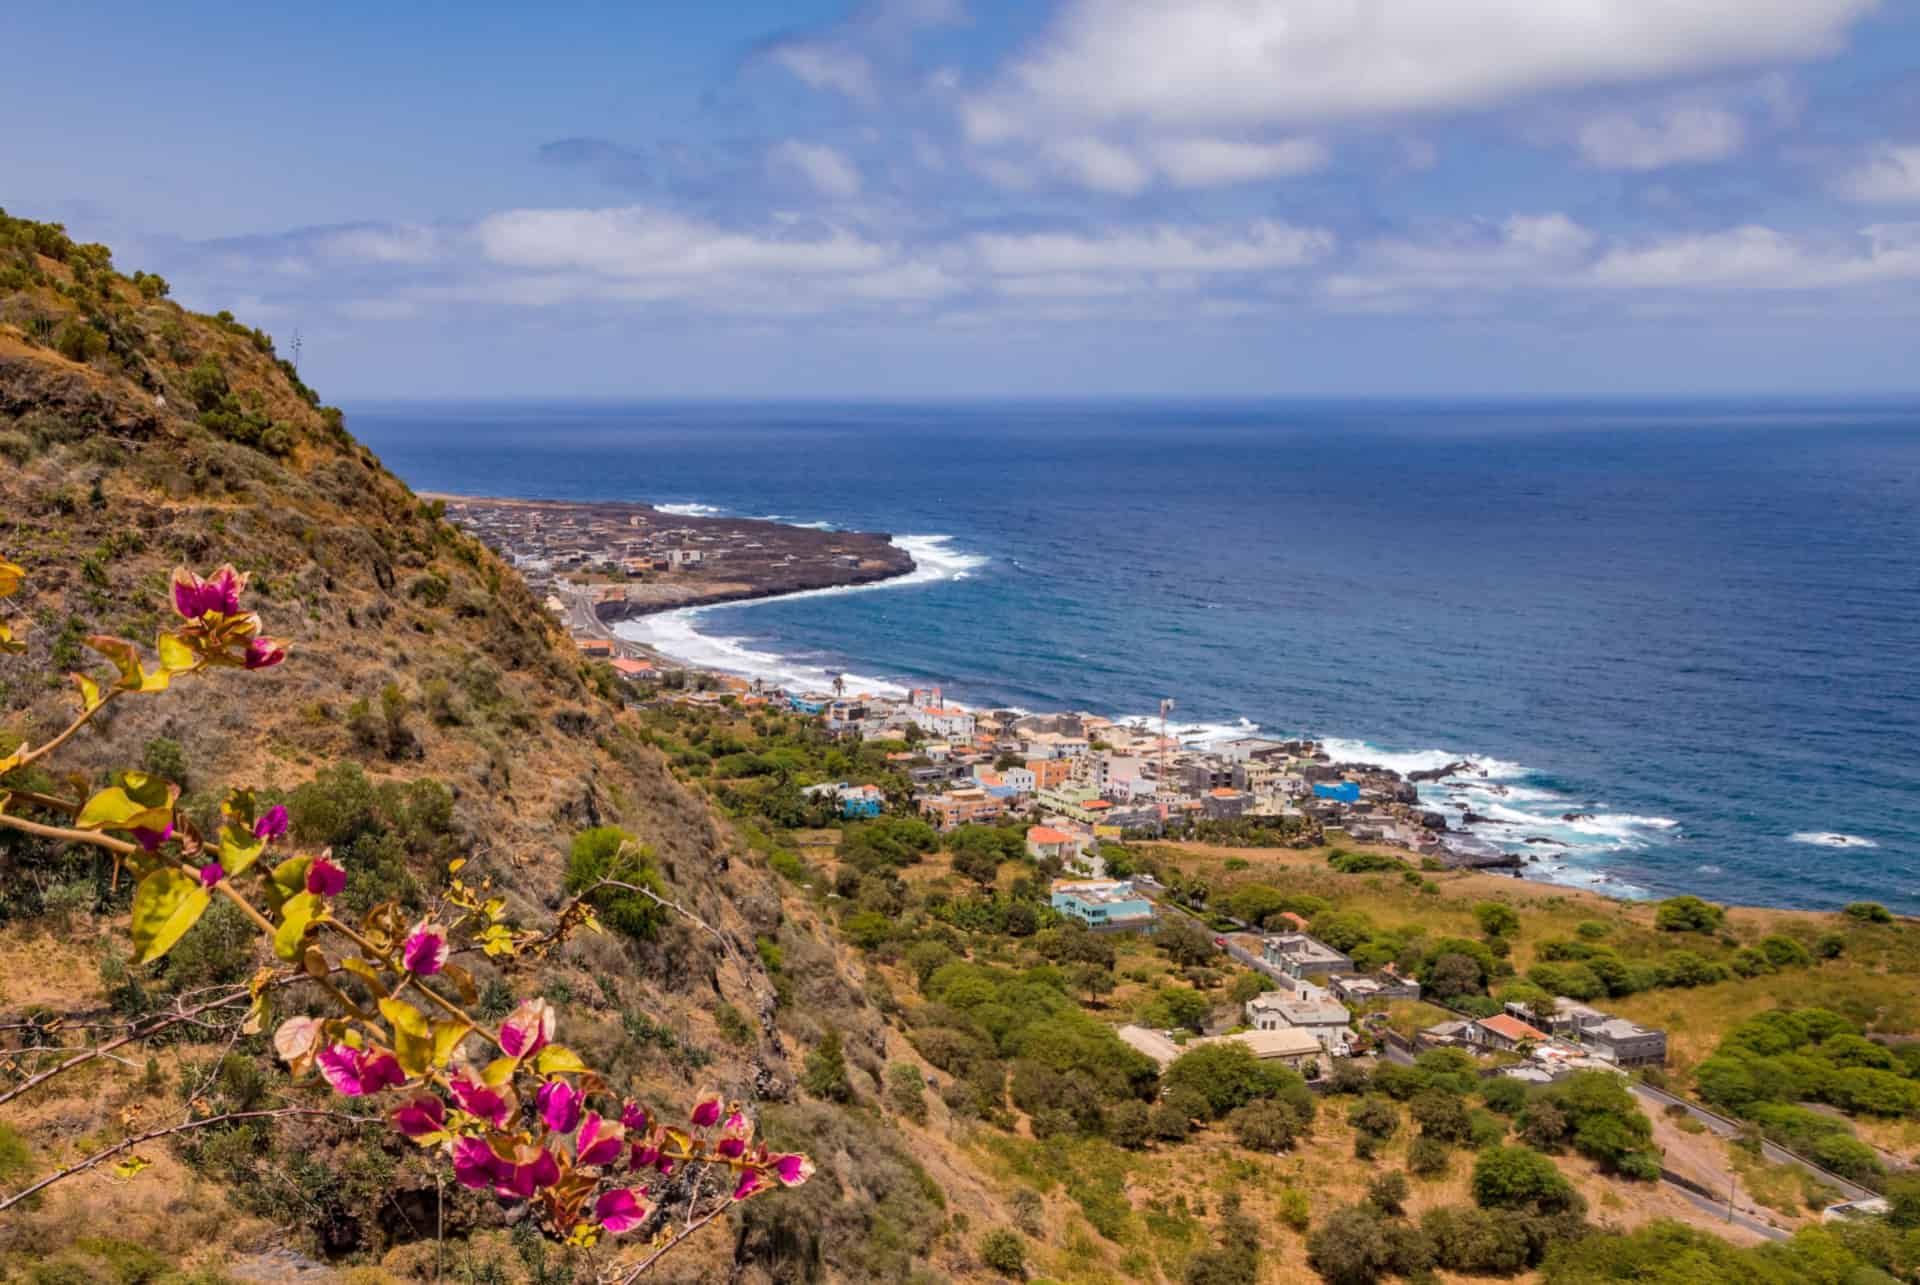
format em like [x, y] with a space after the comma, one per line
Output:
[479, 1100]
[520, 1181]
[622, 1209]
[633, 1117]
[421, 1116]
[791, 1170]
[599, 1143]
[211, 873]
[528, 1029]
[425, 950]
[152, 839]
[324, 879]
[264, 653]
[706, 1113]
[748, 1184]
[359, 1072]
[193, 597]
[474, 1164]
[733, 1136]
[644, 1156]
[559, 1104]
[272, 825]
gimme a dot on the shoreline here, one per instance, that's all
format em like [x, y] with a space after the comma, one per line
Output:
[1498, 846]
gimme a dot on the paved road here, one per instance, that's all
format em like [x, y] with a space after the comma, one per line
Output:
[1730, 1128]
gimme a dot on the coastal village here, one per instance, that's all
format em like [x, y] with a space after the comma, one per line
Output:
[1073, 780]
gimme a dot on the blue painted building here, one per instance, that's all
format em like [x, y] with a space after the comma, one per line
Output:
[1104, 904]
[1344, 792]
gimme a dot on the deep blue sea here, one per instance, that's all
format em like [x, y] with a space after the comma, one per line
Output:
[1699, 623]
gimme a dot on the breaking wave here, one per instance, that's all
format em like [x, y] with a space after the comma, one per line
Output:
[688, 510]
[1829, 839]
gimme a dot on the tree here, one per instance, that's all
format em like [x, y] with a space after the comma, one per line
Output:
[1442, 1114]
[1496, 919]
[1520, 1178]
[825, 1074]
[1093, 980]
[1868, 912]
[1128, 1124]
[1183, 941]
[1388, 1193]
[1689, 914]
[1374, 1117]
[1453, 975]
[1226, 1076]
[1265, 1126]
[1475, 1241]
[1350, 1247]
[1175, 1006]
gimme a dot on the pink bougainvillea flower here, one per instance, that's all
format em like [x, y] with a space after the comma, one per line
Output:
[420, 1116]
[211, 873]
[474, 1164]
[706, 1113]
[272, 823]
[296, 1040]
[425, 950]
[358, 1072]
[749, 1183]
[264, 653]
[633, 1117]
[522, 1180]
[622, 1209]
[193, 597]
[481, 1101]
[791, 1170]
[644, 1156]
[152, 839]
[528, 1029]
[599, 1143]
[324, 879]
[559, 1104]
[733, 1136]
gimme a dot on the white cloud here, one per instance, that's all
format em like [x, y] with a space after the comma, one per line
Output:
[1760, 258]
[828, 67]
[637, 241]
[1521, 250]
[1680, 134]
[1889, 174]
[1212, 162]
[1236, 63]
[1099, 165]
[830, 173]
[1263, 246]
[381, 243]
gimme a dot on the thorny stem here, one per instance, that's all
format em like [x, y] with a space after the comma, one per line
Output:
[154, 1134]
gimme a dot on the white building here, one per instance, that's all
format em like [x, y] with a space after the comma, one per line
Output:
[1307, 1007]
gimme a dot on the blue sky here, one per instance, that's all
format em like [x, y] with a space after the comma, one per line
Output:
[1062, 197]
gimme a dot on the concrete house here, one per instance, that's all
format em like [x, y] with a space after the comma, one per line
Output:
[1104, 905]
[1299, 955]
[1308, 1008]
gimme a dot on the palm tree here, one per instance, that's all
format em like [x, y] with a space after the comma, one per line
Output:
[839, 684]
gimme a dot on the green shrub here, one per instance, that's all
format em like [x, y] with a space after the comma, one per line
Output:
[1002, 1250]
[608, 852]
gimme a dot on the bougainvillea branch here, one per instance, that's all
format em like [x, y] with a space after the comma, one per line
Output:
[533, 1123]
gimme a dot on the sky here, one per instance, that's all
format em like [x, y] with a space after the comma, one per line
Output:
[955, 198]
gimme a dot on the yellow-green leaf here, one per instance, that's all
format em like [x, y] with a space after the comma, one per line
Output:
[295, 915]
[557, 1059]
[289, 879]
[367, 973]
[499, 1071]
[175, 653]
[89, 692]
[9, 644]
[167, 903]
[239, 849]
[405, 1017]
[125, 658]
[130, 1166]
[446, 1038]
[462, 981]
[414, 1052]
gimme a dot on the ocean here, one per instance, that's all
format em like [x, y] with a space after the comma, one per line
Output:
[1680, 642]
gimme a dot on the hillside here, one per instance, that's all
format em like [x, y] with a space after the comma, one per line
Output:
[429, 710]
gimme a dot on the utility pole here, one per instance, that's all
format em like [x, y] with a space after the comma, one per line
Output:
[1166, 708]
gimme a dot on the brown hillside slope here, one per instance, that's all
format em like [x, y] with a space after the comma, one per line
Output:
[135, 435]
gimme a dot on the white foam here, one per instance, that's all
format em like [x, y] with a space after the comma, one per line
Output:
[1344, 750]
[1621, 825]
[1193, 734]
[689, 510]
[676, 633]
[1829, 839]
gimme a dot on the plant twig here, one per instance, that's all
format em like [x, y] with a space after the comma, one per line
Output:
[671, 1243]
[235, 996]
[155, 1134]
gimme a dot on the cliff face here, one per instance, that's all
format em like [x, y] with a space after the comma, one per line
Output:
[134, 436]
